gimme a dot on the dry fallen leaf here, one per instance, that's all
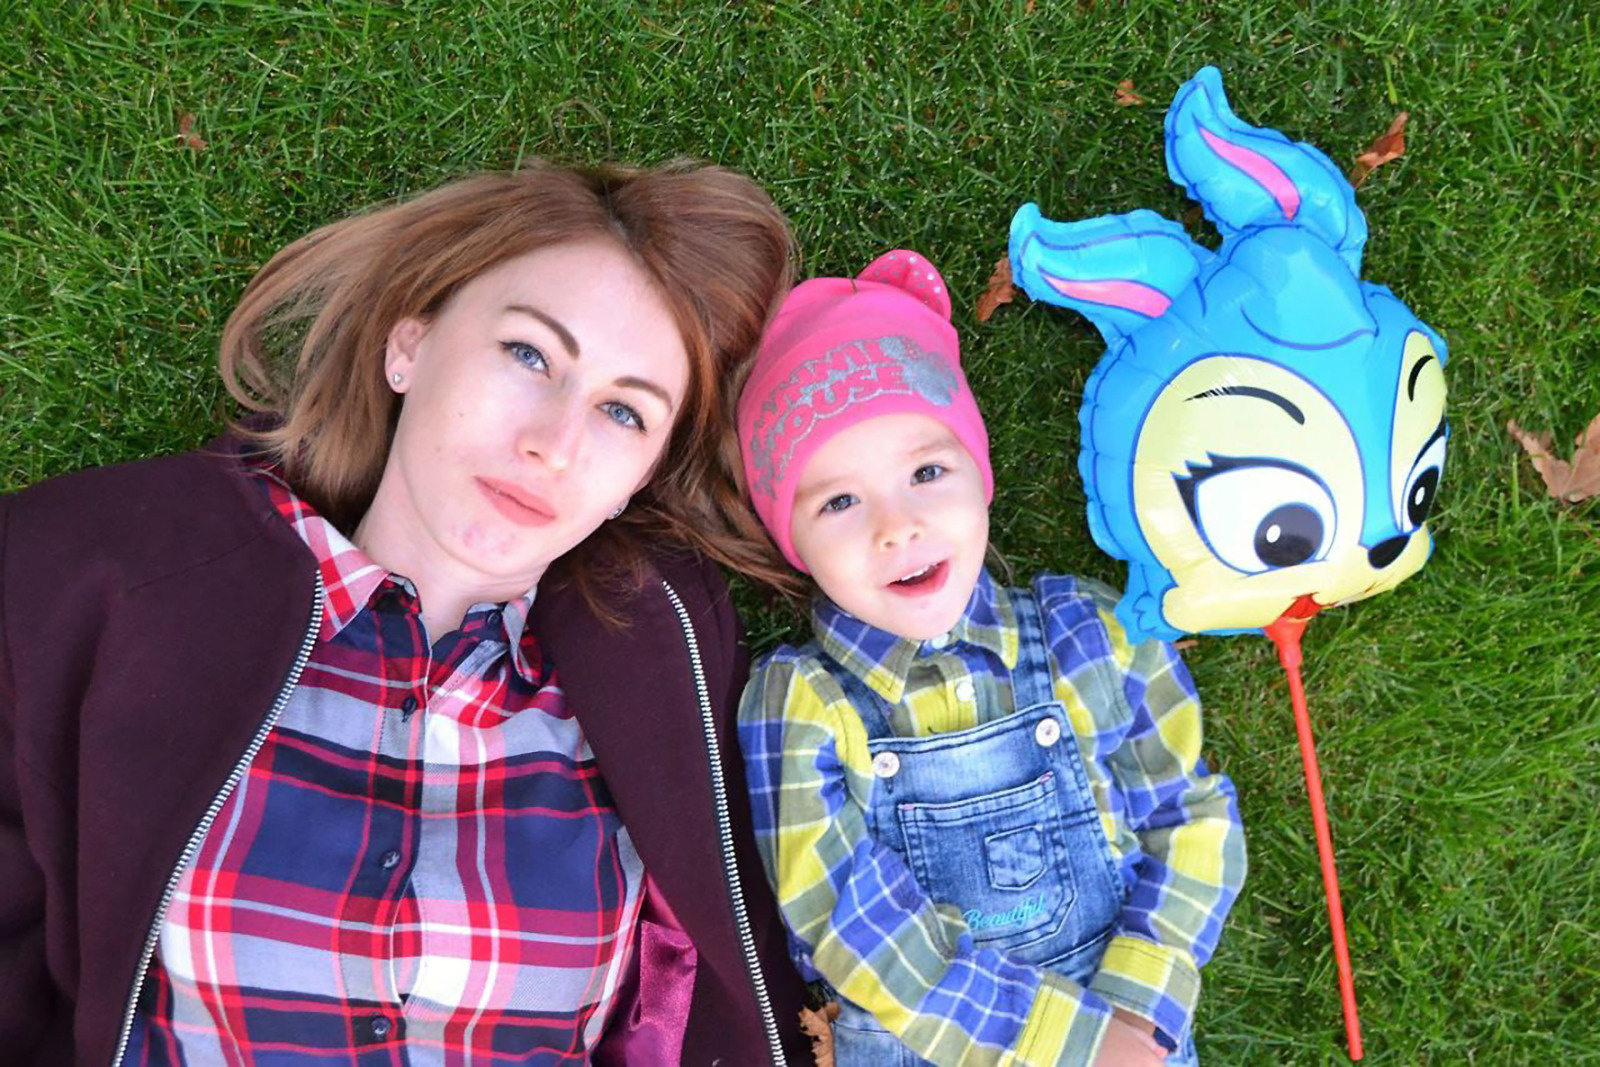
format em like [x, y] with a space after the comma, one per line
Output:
[186, 135]
[998, 291]
[1392, 145]
[1571, 482]
[1186, 644]
[815, 1025]
[1125, 96]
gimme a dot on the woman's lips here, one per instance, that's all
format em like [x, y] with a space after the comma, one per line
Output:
[921, 583]
[518, 505]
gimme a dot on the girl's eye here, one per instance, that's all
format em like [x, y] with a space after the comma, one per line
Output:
[839, 503]
[527, 355]
[927, 473]
[623, 415]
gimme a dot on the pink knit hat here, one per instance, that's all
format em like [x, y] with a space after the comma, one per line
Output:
[842, 350]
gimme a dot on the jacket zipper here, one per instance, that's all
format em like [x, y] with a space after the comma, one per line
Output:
[313, 628]
[741, 915]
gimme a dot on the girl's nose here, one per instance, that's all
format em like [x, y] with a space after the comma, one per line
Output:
[897, 527]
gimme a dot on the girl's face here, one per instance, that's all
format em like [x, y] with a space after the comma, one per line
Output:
[890, 518]
[537, 401]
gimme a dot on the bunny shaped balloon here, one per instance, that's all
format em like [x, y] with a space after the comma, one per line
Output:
[1265, 434]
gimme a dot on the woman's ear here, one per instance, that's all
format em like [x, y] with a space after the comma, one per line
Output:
[401, 352]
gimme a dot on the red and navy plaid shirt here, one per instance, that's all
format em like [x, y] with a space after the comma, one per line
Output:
[422, 864]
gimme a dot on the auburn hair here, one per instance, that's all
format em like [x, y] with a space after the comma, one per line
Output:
[306, 343]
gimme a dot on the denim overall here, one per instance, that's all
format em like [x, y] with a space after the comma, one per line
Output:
[999, 821]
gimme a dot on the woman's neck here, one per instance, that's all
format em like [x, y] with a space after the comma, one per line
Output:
[445, 586]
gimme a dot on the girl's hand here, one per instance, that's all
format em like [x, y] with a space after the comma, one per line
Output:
[1130, 1042]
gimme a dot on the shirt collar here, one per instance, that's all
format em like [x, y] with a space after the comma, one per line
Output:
[351, 581]
[884, 661]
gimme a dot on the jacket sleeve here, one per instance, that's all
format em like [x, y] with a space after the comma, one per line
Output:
[1191, 853]
[27, 998]
[856, 913]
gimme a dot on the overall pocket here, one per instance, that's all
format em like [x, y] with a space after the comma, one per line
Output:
[1001, 860]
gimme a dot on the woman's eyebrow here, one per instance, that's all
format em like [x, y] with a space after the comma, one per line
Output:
[630, 382]
[561, 332]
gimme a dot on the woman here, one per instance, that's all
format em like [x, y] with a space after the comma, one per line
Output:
[396, 725]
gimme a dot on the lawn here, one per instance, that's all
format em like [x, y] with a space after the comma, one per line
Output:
[1457, 717]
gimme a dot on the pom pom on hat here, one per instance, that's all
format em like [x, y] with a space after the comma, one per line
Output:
[906, 270]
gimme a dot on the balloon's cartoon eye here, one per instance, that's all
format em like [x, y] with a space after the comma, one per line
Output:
[1421, 486]
[1259, 515]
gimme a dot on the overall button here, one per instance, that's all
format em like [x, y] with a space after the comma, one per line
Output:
[965, 690]
[1047, 733]
[886, 765]
[380, 1027]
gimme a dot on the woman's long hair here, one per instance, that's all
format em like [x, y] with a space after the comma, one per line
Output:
[306, 343]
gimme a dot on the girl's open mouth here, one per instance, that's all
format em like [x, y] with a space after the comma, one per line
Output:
[926, 579]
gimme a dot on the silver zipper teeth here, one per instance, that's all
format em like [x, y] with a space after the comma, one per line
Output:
[741, 915]
[200, 831]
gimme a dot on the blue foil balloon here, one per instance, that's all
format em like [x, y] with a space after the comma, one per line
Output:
[1264, 425]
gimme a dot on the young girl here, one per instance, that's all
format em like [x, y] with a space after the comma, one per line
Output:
[984, 812]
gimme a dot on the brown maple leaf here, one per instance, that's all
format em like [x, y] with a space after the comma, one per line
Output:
[816, 1026]
[1569, 482]
[1125, 96]
[1392, 145]
[186, 135]
[998, 291]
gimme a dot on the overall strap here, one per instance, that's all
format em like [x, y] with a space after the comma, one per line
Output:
[872, 708]
[1032, 680]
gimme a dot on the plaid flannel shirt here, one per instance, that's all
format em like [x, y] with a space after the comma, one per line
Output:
[1173, 825]
[421, 864]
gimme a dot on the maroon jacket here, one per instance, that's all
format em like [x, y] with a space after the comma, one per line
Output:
[149, 614]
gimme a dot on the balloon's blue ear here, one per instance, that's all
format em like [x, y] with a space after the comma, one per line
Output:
[1120, 271]
[1248, 176]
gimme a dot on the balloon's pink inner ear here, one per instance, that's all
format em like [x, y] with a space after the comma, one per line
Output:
[1260, 169]
[1133, 296]
[911, 272]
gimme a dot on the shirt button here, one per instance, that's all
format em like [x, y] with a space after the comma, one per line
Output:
[407, 706]
[492, 619]
[886, 765]
[380, 1027]
[1047, 733]
[942, 641]
[965, 690]
[389, 859]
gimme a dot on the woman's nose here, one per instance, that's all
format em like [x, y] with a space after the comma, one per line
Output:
[553, 434]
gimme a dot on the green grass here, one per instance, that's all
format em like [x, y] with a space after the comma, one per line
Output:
[1457, 718]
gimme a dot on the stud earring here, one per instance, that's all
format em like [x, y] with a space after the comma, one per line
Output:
[397, 378]
[620, 509]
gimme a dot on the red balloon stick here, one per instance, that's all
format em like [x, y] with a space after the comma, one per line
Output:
[1285, 633]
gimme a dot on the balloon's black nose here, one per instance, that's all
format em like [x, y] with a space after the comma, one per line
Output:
[1384, 553]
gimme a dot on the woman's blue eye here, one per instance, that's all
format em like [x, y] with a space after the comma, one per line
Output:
[839, 503]
[623, 415]
[527, 355]
[927, 473]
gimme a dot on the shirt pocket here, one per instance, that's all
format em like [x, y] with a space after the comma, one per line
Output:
[1000, 859]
